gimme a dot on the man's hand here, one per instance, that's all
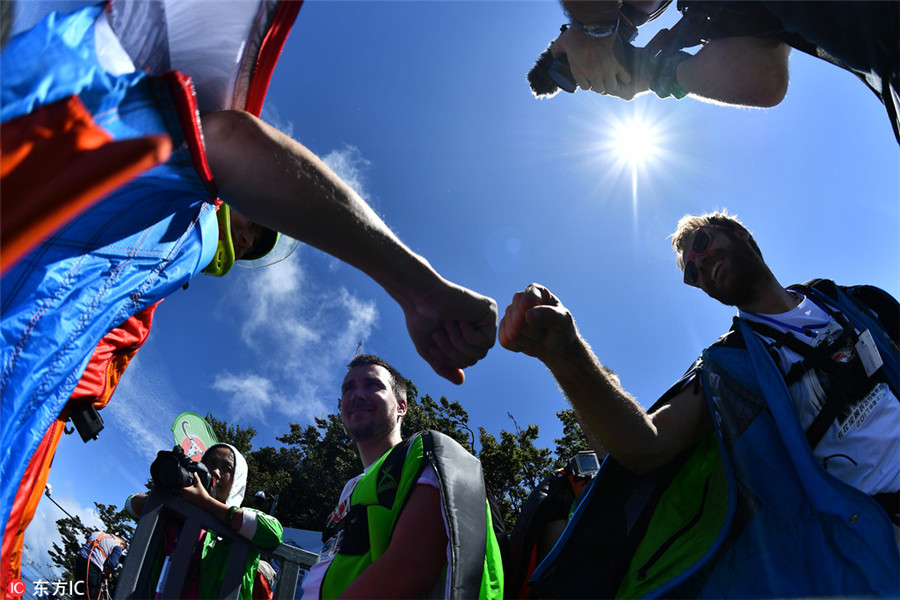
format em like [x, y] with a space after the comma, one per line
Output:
[597, 64]
[452, 328]
[537, 324]
[640, 81]
[277, 182]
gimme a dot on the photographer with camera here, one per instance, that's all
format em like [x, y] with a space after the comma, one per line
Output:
[216, 485]
[743, 55]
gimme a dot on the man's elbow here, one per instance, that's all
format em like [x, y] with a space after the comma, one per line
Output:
[768, 72]
[770, 91]
[226, 133]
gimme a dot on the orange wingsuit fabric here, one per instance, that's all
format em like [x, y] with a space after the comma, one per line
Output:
[54, 164]
[96, 386]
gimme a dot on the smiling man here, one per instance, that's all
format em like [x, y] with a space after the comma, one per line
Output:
[415, 523]
[802, 393]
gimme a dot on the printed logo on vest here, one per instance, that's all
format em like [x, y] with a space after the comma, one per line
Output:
[386, 481]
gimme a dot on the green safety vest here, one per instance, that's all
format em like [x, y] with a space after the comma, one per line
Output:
[365, 530]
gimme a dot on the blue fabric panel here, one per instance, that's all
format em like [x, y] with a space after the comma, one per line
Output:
[133, 248]
[808, 533]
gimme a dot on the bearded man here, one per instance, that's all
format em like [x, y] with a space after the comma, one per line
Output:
[775, 461]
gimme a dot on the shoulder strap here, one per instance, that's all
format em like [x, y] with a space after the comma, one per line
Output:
[813, 357]
[464, 502]
[96, 544]
[842, 394]
[391, 471]
[882, 305]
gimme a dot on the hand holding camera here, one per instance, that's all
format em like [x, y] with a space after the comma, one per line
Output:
[609, 66]
[173, 470]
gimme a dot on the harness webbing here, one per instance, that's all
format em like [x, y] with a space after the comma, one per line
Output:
[847, 381]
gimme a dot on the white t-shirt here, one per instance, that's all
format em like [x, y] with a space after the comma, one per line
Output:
[863, 448]
[312, 582]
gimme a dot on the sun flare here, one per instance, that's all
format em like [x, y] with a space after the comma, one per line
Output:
[635, 141]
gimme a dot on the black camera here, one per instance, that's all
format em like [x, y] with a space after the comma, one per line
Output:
[172, 470]
[584, 464]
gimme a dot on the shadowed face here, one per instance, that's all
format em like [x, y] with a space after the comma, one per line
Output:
[369, 408]
[220, 462]
[244, 234]
[724, 265]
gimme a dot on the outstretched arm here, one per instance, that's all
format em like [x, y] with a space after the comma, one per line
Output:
[277, 182]
[537, 324]
[743, 71]
[737, 71]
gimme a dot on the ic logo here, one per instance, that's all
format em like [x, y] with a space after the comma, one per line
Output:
[16, 588]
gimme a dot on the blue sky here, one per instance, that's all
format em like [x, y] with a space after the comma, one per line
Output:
[423, 107]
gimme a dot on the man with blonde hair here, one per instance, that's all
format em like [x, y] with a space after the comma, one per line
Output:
[765, 458]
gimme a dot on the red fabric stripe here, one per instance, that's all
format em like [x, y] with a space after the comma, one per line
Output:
[182, 91]
[269, 52]
[111, 358]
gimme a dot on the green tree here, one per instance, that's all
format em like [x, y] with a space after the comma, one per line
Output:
[326, 459]
[513, 466]
[572, 441]
[450, 418]
[239, 437]
[74, 534]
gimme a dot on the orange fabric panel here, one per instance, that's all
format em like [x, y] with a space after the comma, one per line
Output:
[56, 162]
[104, 370]
[30, 490]
[111, 358]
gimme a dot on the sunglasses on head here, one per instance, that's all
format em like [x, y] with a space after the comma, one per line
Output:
[699, 247]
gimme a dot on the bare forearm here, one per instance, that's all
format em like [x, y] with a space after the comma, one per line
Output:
[743, 71]
[610, 414]
[536, 323]
[277, 182]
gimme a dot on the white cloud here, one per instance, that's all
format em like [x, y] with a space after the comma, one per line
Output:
[301, 333]
[251, 395]
[349, 164]
[147, 428]
[300, 330]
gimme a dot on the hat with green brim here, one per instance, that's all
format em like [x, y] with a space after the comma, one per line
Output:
[266, 242]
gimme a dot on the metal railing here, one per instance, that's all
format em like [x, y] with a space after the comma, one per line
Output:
[164, 510]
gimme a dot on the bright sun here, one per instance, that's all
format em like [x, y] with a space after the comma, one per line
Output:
[631, 145]
[635, 141]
